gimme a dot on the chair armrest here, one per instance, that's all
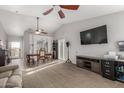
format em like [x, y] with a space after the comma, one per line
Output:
[7, 68]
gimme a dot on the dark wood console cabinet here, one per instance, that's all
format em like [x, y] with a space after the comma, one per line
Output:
[111, 69]
[89, 63]
[3, 57]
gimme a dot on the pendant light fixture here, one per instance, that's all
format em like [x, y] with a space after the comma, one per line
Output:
[38, 30]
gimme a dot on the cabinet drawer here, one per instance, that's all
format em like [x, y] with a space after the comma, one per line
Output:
[109, 63]
[106, 66]
[108, 70]
[109, 76]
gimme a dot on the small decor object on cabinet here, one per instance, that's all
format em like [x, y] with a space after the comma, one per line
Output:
[4, 60]
[68, 60]
[120, 45]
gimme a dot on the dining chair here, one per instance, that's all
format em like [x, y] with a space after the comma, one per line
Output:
[41, 55]
[48, 56]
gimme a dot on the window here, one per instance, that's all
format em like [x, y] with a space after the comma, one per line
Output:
[15, 49]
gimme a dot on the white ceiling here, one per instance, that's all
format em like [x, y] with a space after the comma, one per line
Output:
[16, 23]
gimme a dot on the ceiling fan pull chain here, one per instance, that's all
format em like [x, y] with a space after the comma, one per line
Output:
[37, 23]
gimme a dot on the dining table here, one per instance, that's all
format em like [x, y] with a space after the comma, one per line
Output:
[30, 57]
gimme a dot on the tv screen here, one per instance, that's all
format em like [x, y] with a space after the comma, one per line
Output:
[96, 35]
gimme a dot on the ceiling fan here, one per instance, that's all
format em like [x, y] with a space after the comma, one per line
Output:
[60, 12]
[39, 31]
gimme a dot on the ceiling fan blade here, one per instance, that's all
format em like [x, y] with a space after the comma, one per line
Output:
[48, 11]
[33, 33]
[70, 7]
[44, 32]
[61, 14]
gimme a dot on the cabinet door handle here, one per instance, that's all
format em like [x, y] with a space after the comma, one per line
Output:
[107, 70]
[107, 74]
[106, 65]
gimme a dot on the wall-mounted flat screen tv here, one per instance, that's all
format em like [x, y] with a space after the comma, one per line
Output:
[96, 35]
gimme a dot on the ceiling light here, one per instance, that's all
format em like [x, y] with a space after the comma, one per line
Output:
[39, 31]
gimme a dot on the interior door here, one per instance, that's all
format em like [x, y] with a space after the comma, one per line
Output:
[61, 49]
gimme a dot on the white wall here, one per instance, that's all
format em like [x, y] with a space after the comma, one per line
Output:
[3, 35]
[71, 32]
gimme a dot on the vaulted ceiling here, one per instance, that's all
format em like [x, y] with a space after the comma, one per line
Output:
[17, 19]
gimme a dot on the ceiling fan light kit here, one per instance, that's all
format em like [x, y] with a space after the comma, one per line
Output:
[38, 31]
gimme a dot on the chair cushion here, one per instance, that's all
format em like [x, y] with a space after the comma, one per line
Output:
[5, 74]
[3, 82]
[14, 81]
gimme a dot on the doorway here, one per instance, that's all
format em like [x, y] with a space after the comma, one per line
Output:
[61, 49]
[15, 49]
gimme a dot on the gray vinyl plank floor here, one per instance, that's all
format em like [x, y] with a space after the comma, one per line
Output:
[65, 75]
